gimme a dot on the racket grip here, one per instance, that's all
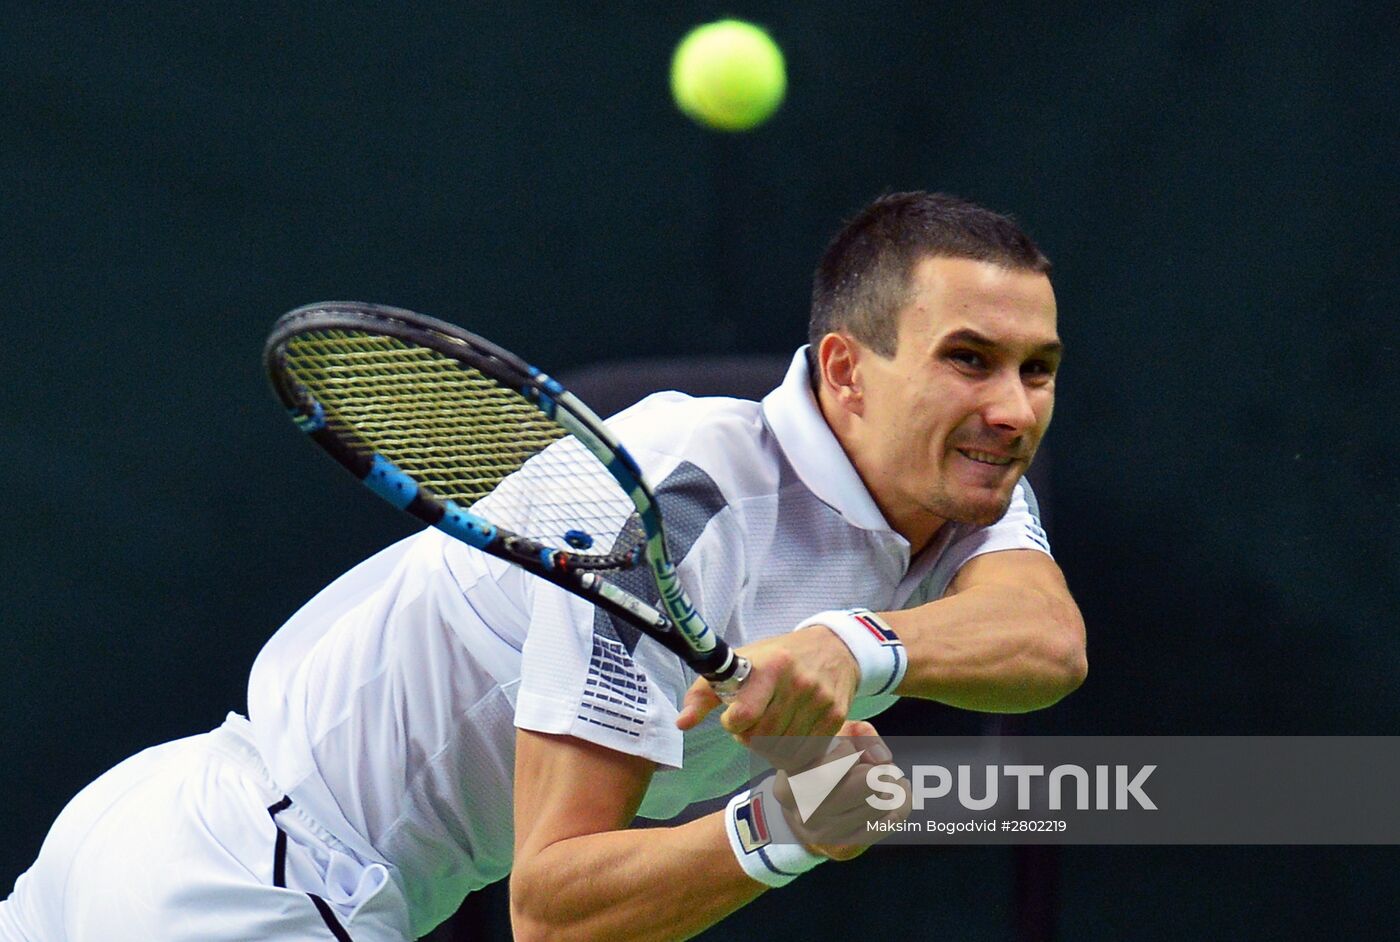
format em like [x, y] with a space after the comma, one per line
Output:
[728, 688]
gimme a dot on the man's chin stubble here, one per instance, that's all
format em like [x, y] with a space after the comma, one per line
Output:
[972, 516]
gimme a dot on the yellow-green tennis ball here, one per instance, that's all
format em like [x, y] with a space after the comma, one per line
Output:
[728, 75]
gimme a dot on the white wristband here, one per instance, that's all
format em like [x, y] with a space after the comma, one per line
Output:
[761, 839]
[878, 651]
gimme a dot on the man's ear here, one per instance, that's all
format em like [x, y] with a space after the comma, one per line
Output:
[838, 358]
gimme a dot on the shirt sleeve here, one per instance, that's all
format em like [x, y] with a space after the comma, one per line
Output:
[581, 677]
[589, 674]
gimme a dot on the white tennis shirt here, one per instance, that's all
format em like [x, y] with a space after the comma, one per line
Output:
[387, 706]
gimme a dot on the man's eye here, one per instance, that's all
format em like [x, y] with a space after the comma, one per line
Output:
[1038, 368]
[969, 358]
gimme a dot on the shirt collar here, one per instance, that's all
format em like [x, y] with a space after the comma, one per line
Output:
[791, 411]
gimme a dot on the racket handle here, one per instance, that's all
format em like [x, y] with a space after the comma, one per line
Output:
[728, 688]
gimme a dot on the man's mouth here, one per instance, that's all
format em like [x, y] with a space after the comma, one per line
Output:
[985, 457]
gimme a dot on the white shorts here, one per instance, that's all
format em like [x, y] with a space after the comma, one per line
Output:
[192, 841]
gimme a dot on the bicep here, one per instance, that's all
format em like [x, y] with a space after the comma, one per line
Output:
[567, 787]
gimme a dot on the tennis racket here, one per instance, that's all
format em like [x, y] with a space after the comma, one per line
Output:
[470, 439]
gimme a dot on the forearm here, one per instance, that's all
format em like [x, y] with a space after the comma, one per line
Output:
[996, 648]
[640, 884]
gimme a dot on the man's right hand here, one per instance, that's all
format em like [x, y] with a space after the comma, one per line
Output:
[802, 684]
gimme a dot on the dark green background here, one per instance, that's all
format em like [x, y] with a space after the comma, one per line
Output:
[1216, 184]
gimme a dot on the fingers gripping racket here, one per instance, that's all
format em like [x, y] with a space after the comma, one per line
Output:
[470, 439]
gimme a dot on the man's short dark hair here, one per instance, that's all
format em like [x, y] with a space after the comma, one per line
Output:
[863, 280]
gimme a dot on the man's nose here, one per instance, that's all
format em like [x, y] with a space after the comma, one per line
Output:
[1010, 405]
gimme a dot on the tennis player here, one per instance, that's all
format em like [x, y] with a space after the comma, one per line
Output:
[436, 719]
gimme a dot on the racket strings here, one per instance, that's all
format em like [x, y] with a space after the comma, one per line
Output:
[466, 438]
[565, 498]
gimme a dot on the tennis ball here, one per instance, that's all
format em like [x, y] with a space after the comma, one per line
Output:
[728, 75]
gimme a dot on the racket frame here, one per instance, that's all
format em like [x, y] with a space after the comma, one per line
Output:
[677, 625]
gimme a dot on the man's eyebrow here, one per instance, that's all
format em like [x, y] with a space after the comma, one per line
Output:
[973, 339]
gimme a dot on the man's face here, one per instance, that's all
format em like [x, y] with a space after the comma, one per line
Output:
[949, 424]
